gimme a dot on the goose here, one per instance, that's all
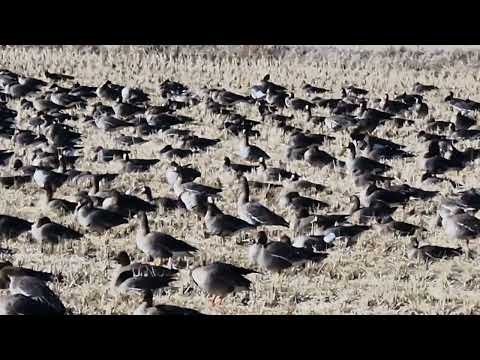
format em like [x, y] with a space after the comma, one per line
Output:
[57, 76]
[253, 212]
[292, 199]
[110, 123]
[49, 179]
[136, 276]
[83, 91]
[316, 157]
[276, 256]
[276, 98]
[432, 179]
[187, 173]
[45, 105]
[362, 164]
[7, 269]
[124, 110]
[180, 186]
[108, 92]
[422, 88]
[427, 252]
[376, 210]
[224, 97]
[375, 152]
[220, 279]
[238, 168]
[470, 134]
[223, 225]
[197, 143]
[147, 308]
[17, 91]
[299, 139]
[106, 155]
[15, 181]
[459, 104]
[460, 225]
[46, 231]
[313, 243]
[32, 82]
[437, 125]
[296, 153]
[65, 100]
[95, 219]
[20, 304]
[348, 232]
[291, 102]
[302, 184]
[12, 227]
[126, 205]
[163, 202]
[312, 90]
[136, 165]
[250, 152]
[364, 179]
[373, 194]
[375, 141]
[413, 192]
[305, 223]
[267, 84]
[128, 140]
[37, 290]
[61, 206]
[159, 245]
[398, 227]
[355, 91]
[463, 121]
[275, 173]
[420, 108]
[169, 152]
[394, 107]
[433, 163]
[409, 99]
[132, 95]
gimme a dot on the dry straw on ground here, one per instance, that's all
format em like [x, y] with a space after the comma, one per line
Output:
[373, 277]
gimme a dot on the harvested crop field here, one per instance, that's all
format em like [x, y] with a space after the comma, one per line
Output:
[372, 276]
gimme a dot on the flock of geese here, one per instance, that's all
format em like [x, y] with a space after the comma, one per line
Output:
[45, 148]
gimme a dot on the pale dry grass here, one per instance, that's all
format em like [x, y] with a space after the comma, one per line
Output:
[373, 277]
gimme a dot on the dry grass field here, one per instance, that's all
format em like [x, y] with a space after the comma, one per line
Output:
[373, 277]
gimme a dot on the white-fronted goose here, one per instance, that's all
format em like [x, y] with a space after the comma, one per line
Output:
[312, 90]
[223, 225]
[316, 157]
[377, 210]
[253, 212]
[250, 152]
[179, 187]
[7, 268]
[292, 199]
[110, 123]
[37, 290]
[428, 252]
[422, 88]
[362, 164]
[136, 165]
[276, 256]
[373, 194]
[126, 205]
[61, 206]
[49, 179]
[398, 227]
[169, 152]
[275, 173]
[460, 225]
[394, 107]
[220, 279]
[291, 102]
[463, 121]
[187, 173]
[160, 245]
[348, 232]
[133, 96]
[433, 163]
[459, 104]
[106, 155]
[313, 243]
[237, 168]
[57, 76]
[108, 92]
[95, 219]
[304, 223]
[20, 304]
[163, 202]
[139, 276]
[147, 308]
[12, 227]
[46, 231]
